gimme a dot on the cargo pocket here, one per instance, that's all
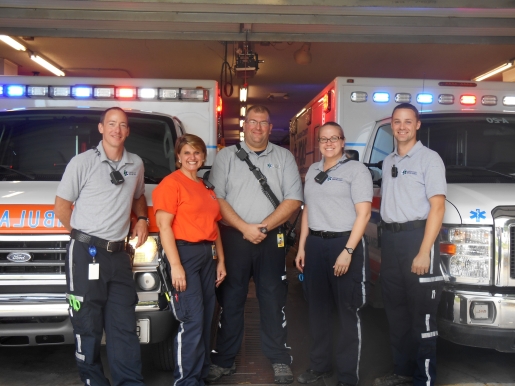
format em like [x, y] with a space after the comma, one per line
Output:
[186, 306]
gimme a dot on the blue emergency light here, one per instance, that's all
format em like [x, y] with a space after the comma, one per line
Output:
[82, 92]
[1, 90]
[15, 91]
[424, 98]
[381, 97]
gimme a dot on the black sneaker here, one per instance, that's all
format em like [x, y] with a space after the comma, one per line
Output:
[311, 376]
[217, 372]
[393, 380]
[282, 373]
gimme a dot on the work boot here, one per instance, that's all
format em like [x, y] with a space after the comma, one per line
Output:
[282, 373]
[217, 372]
[393, 380]
[311, 376]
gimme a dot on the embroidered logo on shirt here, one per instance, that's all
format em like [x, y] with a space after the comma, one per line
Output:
[404, 172]
[334, 179]
[272, 166]
[126, 173]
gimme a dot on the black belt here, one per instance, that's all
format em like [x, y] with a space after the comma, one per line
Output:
[184, 242]
[110, 246]
[403, 226]
[327, 234]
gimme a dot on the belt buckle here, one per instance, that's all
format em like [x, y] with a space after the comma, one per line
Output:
[108, 247]
[396, 227]
[325, 235]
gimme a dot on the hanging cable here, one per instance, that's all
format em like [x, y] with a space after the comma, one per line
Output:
[226, 76]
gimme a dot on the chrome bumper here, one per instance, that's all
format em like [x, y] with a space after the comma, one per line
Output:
[44, 309]
[478, 319]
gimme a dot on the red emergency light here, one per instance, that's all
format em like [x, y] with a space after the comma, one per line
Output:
[126, 92]
[468, 99]
[219, 106]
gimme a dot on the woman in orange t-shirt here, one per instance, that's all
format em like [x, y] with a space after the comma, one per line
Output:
[187, 213]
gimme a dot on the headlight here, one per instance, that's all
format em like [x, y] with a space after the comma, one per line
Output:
[146, 254]
[467, 254]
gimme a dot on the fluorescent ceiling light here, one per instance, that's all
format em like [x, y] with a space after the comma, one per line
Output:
[50, 67]
[496, 70]
[243, 93]
[13, 43]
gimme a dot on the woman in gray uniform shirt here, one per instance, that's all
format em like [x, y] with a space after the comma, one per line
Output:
[333, 256]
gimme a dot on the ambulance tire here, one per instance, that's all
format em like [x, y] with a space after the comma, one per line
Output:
[162, 354]
[376, 300]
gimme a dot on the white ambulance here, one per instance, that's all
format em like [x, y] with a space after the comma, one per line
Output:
[44, 122]
[472, 126]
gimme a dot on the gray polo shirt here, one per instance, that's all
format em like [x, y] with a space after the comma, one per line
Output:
[102, 209]
[421, 175]
[331, 204]
[236, 184]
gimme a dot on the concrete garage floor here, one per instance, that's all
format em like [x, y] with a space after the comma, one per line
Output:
[457, 365]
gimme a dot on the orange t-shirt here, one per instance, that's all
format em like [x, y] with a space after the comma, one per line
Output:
[196, 208]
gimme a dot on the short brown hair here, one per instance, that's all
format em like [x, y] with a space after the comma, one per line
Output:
[408, 106]
[259, 109]
[189, 139]
[103, 116]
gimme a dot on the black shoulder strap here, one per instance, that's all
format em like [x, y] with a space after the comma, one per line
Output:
[265, 188]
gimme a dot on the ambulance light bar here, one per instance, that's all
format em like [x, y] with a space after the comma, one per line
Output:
[105, 92]
[14, 90]
[381, 97]
[427, 98]
[424, 98]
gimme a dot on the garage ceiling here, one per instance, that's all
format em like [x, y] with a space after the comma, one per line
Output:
[168, 39]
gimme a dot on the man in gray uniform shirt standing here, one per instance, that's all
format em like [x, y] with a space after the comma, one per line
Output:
[412, 210]
[99, 281]
[253, 240]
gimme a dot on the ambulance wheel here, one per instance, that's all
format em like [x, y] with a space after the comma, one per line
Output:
[163, 354]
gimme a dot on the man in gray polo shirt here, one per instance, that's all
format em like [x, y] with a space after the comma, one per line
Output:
[412, 210]
[253, 242]
[94, 201]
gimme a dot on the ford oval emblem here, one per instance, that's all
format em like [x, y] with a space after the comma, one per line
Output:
[19, 257]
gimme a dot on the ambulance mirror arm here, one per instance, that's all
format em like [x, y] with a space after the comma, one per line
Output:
[378, 165]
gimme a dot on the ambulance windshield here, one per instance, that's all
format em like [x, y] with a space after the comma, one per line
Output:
[475, 148]
[37, 145]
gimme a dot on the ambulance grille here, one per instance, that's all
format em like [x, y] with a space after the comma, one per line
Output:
[46, 257]
[512, 252]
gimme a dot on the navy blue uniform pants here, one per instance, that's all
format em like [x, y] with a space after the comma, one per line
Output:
[326, 293]
[265, 262]
[194, 310]
[105, 304]
[411, 303]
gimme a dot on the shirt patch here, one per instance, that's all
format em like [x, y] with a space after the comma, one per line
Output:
[126, 173]
[334, 179]
[272, 166]
[404, 172]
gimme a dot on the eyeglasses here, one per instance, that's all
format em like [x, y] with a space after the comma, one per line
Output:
[333, 139]
[395, 171]
[253, 122]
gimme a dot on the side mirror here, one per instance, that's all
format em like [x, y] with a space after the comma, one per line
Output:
[378, 165]
[352, 154]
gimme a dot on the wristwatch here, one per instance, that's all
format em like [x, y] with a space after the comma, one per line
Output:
[350, 250]
[143, 218]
